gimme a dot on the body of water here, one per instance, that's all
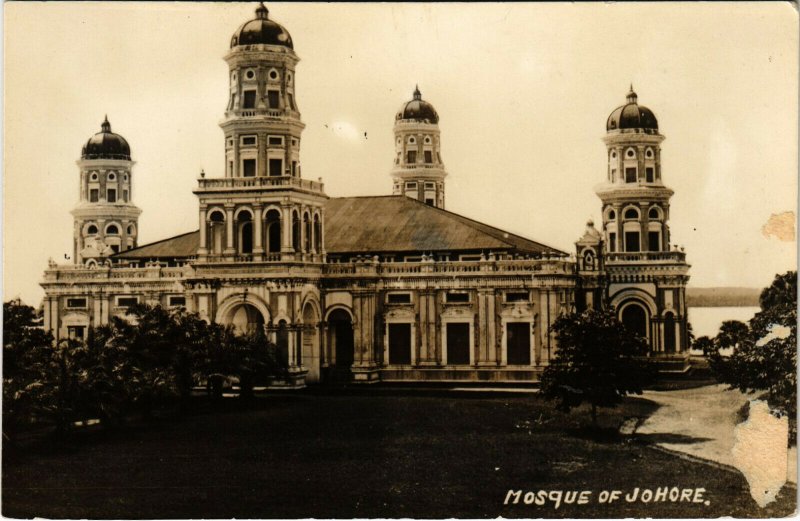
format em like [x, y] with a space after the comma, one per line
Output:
[706, 321]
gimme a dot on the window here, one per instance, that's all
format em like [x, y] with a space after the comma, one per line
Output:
[249, 140]
[630, 153]
[517, 297]
[176, 300]
[632, 241]
[273, 97]
[613, 155]
[249, 168]
[630, 175]
[411, 156]
[428, 156]
[249, 99]
[613, 175]
[291, 101]
[76, 332]
[275, 167]
[115, 248]
[457, 297]
[457, 343]
[92, 229]
[399, 344]
[398, 298]
[649, 174]
[230, 168]
[430, 186]
[612, 215]
[649, 153]
[470, 257]
[631, 213]
[112, 230]
[112, 195]
[429, 202]
[250, 74]
[518, 343]
[275, 141]
[130, 229]
[411, 140]
[94, 195]
[76, 303]
[653, 241]
[273, 74]
[112, 176]
[612, 242]
[125, 302]
[294, 168]
[93, 177]
[411, 186]
[653, 214]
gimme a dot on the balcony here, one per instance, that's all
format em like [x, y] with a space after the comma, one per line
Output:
[527, 267]
[266, 114]
[654, 257]
[244, 184]
[73, 274]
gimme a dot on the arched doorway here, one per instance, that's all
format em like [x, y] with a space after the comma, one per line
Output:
[634, 317]
[246, 319]
[340, 340]
[309, 346]
[217, 225]
[669, 333]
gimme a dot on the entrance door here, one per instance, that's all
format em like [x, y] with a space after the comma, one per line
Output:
[634, 319]
[340, 328]
[399, 344]
[518, 343]
[669, 333]
[458, 343]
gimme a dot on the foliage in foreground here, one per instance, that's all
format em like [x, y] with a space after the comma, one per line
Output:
[598, 362]
[149, 362]
[765, 351]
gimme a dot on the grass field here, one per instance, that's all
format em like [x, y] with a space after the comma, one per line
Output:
[361, 455]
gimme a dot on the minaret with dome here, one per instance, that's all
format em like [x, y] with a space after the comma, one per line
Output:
[418, 170]
[105, 218]
[631, 257]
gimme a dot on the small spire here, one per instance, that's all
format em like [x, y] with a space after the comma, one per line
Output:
[417, 93]
[261, 11]
[106, 126]
[631, 97]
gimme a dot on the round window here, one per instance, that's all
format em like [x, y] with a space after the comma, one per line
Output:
[630, 153]
[250, 74]
[273, 74]
[412, 140]
[288, 77]
[125, 177]
[93, 177]
[649, 154]
[427, 141]
[112, 176]
[613, 155]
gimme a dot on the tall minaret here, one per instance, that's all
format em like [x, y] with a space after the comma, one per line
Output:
[646, 277]
[106, 221]
[418, 169]
[263, 210]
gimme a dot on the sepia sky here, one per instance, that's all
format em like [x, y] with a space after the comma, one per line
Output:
[523, 92]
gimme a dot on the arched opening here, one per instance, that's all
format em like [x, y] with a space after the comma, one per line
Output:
[295, 231]
[245, 233]
[669, 333]
[317, 235]
[217, 224]
[92, 229]
[273, 220]
[112, 229]
[246, 319]
[634, 317]
[340, 340]
[307, 231]
[309, 347]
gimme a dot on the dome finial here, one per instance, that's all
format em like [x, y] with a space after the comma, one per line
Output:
[631, 97]
[106, 126]
[261, 11]
[417, 93]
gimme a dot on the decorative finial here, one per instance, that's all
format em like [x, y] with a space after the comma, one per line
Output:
[203, 173]
[262, 11]
[106, 126]
[417, 93]
[631, 97]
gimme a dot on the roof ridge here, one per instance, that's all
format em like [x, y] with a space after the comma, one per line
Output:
[122, 253]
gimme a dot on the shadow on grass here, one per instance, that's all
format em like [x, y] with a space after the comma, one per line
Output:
[668, 437]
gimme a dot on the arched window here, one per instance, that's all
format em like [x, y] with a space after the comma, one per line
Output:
[631, 213]
[317, 235]
[92, 229]
[295, 231]
[654, 213]
[112, 176]
[216, 220]
[612, 215]
[669, 333]
[649, 153]
[273, 219]
[630, 154]
[245, 219]
[130, 229]
[634, 318]
[112, 229]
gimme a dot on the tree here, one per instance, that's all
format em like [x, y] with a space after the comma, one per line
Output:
[598, 361]
[704, 344]
[766, 357]
[731, 334]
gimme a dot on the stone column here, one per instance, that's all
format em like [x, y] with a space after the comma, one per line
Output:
[620, 240]
[229, 250]
[258, 245]
[287, 250]
[645, 226]
[203, 249]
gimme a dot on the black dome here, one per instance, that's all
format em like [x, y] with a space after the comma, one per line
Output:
[106, 145]
[632, 116]
[262, 30]
[418, 110]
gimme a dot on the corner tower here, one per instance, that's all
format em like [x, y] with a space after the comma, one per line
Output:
[262, 210]
[106, 221]
[646, 276]
[418, 169]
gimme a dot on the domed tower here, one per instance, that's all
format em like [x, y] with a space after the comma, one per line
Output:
[418, 169]
[262, 210]
[646, 278]
[106, 221]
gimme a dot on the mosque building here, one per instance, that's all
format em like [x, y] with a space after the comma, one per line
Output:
[365, 289]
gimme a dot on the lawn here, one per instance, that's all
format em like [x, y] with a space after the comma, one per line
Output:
[363, 455]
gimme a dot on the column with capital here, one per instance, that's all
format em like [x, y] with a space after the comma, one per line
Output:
[258, 245]
[645, 222]
[287, 224]
[203, 249]
[229, 250]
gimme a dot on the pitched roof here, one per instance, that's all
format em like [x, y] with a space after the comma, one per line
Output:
[396, 223]
[376, 224]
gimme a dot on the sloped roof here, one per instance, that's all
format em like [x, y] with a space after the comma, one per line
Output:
[392, 223]
[396, 223]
